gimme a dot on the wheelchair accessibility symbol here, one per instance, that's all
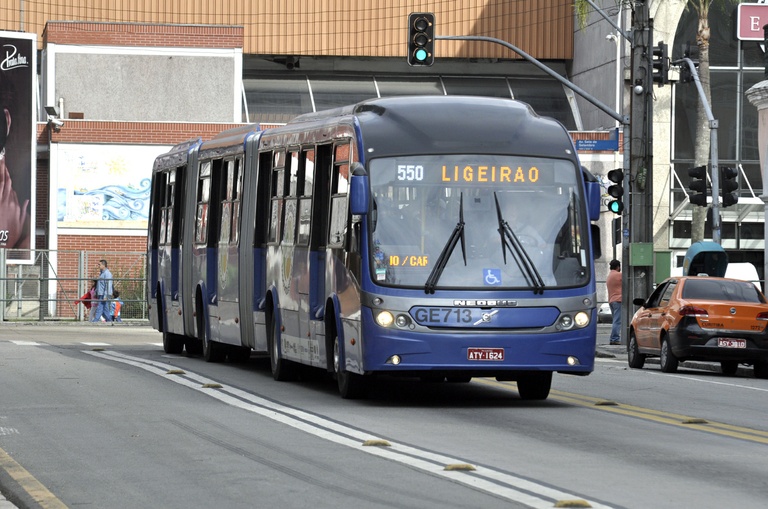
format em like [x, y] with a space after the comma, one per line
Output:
[492, 277]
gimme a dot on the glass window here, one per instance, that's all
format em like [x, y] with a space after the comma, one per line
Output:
[715, 289]
[277, 99]
[417, 207]
[546, 97]
[412, 85]
[333, 92]
[487, 87]
[749, 141]
[724, 86]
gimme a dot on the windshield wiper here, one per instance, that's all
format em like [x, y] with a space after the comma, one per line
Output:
[442, 260]
[522, 259]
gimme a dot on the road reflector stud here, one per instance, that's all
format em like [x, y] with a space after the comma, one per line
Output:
[212, 386]
[695, 420]
[606, 402]
[572, 503]
[176, 372]
[466, 467]
[376, 443]
[98, 349]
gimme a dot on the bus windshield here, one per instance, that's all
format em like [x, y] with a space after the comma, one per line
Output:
[486, 220]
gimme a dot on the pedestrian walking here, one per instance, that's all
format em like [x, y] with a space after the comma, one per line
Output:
[88, 300]
[103, 293]
[613, 283]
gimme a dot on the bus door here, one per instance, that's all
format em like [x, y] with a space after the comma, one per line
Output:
[256, 208]
[313, 205]
[227, 260]
[165, 236]
[207, 235]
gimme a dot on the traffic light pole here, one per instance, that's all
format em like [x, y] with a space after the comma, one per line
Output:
[713, 153]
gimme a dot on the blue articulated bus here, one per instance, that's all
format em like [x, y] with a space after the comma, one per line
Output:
[439, 237]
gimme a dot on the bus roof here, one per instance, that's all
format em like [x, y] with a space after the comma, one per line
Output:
[449, 124]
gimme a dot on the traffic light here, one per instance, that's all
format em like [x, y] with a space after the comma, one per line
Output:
[616, 190]
[660, 64]
[689, 51]
[729, 186]
[698, 185]
[421, 38]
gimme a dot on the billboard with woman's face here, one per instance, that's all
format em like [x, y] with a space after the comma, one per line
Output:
[18, 65]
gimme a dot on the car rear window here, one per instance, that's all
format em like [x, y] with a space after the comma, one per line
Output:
[712, 289]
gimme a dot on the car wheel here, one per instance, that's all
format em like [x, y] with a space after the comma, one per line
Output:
[761, 369]
[535, 385]
[729, 368]
[667, 359]
[282, 370]
[635, 359]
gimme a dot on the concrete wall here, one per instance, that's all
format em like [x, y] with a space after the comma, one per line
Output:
[146, 87]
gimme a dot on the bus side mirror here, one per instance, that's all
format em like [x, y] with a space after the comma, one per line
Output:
[593, 200]
[597, 245]
[359, 190]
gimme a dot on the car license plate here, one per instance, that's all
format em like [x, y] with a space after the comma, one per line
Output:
[731, 343]
[485, 354]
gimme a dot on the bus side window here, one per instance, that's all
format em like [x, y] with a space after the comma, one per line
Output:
[339, 185]
[203, 198]
[158, 188]
[305, 196]
[277, 191]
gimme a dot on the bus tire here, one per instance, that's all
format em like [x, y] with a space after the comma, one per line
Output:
[534, 385]
[351, 385]
[172, 343]
[212, 350]
[282, 370]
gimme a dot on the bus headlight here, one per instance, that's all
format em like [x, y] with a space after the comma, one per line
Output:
[581, 319]
[566, 322]
[402, 321]
[385, 318]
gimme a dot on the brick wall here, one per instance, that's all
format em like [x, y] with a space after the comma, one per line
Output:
[140, 34]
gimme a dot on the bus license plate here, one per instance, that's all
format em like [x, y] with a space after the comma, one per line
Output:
[485, 354]
[731, 343]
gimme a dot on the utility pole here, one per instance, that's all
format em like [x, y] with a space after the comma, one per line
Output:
[637, 221]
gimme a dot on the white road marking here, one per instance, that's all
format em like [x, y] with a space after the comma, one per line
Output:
[693, 379]
[497, 483]
[94, 344]
[24, 343]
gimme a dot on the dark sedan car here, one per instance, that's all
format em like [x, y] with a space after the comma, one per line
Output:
[701, 318]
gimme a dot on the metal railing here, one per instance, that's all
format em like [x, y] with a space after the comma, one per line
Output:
[40, 285]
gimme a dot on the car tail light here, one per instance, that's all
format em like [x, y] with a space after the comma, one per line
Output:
[763, 315]
[693, 311]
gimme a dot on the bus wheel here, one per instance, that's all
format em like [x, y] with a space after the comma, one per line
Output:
[534, 385]
[351, 385]
[212, 350]
[172, 343]
[282, 370]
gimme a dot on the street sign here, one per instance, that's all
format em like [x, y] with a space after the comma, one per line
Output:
[750, 19]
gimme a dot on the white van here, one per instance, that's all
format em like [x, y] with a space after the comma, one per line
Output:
[743, 271]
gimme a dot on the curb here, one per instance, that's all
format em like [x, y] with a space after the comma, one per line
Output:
[620, 352]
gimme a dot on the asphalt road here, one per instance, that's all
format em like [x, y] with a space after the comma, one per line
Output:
[99, 416]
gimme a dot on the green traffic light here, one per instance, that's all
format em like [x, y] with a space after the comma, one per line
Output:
[421, 54]
[616, 207]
